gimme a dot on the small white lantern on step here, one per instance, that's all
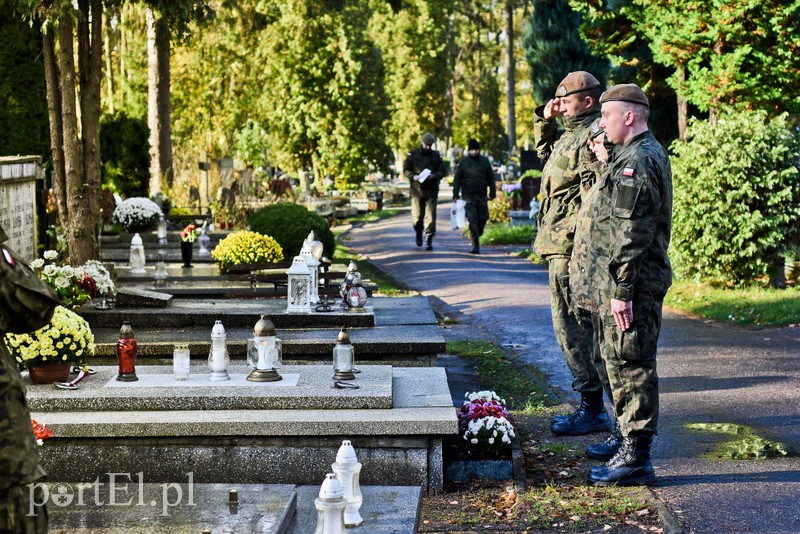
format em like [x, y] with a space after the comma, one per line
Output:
[298, 286]
[264, 352]
[343, 357]
[136, 257]
[218, 358]
[313, 267]
[330, 507]
[348, 470]
[161, 231]
[352, 269]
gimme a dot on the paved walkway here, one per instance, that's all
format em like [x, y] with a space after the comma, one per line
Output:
[709, 374]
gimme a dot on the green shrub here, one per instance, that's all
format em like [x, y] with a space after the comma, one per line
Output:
[125, 152]
[736, 198]
[289, 224]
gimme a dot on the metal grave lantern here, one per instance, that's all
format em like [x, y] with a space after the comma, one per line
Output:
[298, 286]
[161, 231]
[218, 358]
[330, 507]
[352, 268]
[356, 295]
[126, 354]
[136, 257]
[348, 471]
[264, 352]
[343, 357]
[313, 267]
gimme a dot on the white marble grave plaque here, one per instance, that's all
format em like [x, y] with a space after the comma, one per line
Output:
[18, 203]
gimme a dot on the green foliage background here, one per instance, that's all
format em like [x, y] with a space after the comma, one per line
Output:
[737, 197]
[125, 155]
[289, 224]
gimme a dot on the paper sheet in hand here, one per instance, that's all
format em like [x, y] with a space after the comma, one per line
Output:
[424, 175]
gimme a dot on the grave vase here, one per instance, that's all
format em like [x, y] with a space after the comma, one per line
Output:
[49, 372]
[186, 253]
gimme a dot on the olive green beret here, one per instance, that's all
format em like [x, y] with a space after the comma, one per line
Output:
[625, 92]
[595, 129]
[576, 82]
[428, 139]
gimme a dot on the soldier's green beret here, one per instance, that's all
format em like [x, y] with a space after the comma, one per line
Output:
[576, 82]
[625, 92]
[595, 129]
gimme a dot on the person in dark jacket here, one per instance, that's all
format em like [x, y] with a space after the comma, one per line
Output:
[473, 178]
[424, 169]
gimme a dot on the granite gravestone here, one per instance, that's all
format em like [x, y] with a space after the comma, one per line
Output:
[18, 177]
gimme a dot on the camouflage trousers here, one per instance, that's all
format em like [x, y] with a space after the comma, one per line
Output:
[575, 333]
[18, 516]
[630, 359]
[423, 215]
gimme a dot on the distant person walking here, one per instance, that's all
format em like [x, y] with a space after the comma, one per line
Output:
[621, 272]
[474, 176]
[424, 169]
[563, 179]
[26, 304]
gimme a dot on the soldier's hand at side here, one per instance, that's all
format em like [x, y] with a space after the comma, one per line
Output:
[416, 177]
[550, 110]
[622, 310]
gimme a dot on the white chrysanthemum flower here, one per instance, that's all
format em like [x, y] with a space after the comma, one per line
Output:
[50, 255]
[50, 270]
[38, 263]
[63, 282]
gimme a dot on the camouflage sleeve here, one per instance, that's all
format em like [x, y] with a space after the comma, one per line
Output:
[636, 203]
[544, 132]
[590, 170]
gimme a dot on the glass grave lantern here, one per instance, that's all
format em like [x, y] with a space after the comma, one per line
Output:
[160, 274]
[313, 267]
[356, 295]
[347, 282]
[316, 245]
[264, 352]
[343, 357]
[161, 231]
[126, 354]
[218, 358]
[136, 257]
[204, 240]
[298, 287]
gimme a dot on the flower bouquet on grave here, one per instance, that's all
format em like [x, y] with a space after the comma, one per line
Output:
[485, 425]
[137, 214]
[246, 247]
[74, 285]
[189, 234]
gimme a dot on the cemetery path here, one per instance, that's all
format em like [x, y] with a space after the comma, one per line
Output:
[709, 374]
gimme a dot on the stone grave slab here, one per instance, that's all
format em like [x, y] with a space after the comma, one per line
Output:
[307, 387]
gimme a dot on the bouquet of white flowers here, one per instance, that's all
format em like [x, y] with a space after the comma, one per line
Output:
[137, 214]
[74, 285]
[484, 423]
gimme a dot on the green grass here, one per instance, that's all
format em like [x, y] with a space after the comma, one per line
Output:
[744, 443]
[499, 374]
[386, 284]
[754, 306]
[505, 234]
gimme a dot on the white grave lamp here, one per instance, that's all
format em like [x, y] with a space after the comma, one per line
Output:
[347, 282]
[343, 357]
[161, 231]
[204, 240]
[218, 358]
[136, 258]
[298, 286]
[316, 245]
[348, 471]
[264, 353]
[313, 267]
[356, 295]
[330, 507]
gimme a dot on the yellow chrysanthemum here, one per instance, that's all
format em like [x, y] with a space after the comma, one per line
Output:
[246, 247]
[57, 341]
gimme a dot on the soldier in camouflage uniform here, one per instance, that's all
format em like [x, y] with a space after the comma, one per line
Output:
[424, 194]
[576, 102]
[27, 305]
[620, 272]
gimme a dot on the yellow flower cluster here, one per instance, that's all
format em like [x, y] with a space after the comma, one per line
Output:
[246, 247]
[67, 338]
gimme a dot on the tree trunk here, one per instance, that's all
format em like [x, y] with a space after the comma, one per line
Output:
[510, 81]
[683, 111]
[158, 103]
[109, 72]
[56, 128]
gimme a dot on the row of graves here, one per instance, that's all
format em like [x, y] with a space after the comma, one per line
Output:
[273, 398]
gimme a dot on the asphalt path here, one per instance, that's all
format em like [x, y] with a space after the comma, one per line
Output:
[709, 374]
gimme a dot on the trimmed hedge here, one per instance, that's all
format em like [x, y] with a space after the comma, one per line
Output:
[289, 224]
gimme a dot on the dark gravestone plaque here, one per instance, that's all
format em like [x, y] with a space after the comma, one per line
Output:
[528, 159]
[530, 188]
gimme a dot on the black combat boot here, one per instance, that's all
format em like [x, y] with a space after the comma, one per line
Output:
[429, 243]
[475, 247]
[419, 238]
[606, 450]
[590, 417]
[631, 466]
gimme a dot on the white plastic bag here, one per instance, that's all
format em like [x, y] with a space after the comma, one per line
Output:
[458, 217]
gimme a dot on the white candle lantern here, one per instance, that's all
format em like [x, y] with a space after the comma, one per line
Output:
[298, 287]
[316, 246]
[313, 267]
[348, 471]
[136, 258]
[218, 358]
[161, 231]
[356, 295]
[343, 357]
[204, 240]
[348, 281]
[181, 361]
[330, 507]
[264, 352]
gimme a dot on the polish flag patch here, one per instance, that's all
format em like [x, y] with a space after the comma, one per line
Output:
[9, 258]
[628, 171]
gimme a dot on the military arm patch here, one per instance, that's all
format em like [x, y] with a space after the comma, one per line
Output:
[628, 171]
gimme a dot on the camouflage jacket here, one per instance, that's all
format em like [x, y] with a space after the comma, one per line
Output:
[623, 232]
[417, 161]
[19, 456]
[561, 180]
